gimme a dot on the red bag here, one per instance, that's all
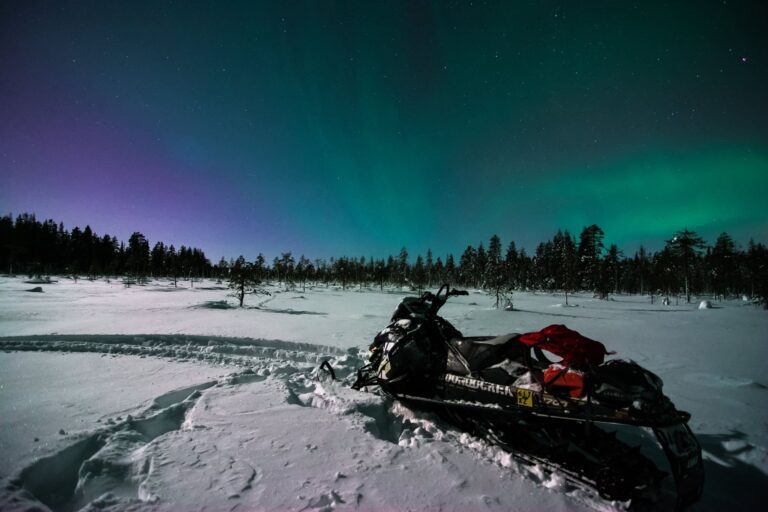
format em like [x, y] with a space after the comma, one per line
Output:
[559, 376]
[576, 350]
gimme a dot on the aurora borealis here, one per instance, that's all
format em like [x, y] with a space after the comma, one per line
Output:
[357, 128]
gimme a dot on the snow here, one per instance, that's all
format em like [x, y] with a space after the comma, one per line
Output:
[172, 399]
[43, 393]
[97, 308]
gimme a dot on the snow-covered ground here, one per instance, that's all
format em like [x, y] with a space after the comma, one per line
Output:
[161, 398]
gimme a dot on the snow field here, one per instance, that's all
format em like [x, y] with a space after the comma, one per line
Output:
[253, 425]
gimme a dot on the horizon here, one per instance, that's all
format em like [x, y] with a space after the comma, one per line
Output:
[531, 252]
[358, 129]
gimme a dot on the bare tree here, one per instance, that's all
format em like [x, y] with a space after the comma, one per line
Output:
[243, 279]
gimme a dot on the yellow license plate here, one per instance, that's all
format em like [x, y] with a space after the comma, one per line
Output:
[525, 397]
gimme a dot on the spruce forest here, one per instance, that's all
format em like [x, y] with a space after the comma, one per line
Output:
[686, 266]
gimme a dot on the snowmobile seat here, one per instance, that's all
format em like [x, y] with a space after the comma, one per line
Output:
[483, 351]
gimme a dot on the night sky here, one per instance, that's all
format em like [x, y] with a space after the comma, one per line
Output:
[330, 128]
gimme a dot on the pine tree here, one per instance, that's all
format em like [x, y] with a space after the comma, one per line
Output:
[481, 261]
[467, 265]
[524, 270]
[391, 270]
[222, 270]
[568, 264]
[260, 268]
[439, 271]
[450, 269]
[495, 276]
[511, 264]
[609, 278]
[287, 269]
[555, 271]
[85, 251]
[429, 268]
[589, 255]
[723, 264]
[342, 270]
[173, 265]
[757, 271]
[277, 269]
[6, 243]
[402, 267]
[419, 274]
[544, 262]
[380, 273]
[685, 247]
[157, 259]
[642, 263]
[304, 269]
[493, 264]
[137, 255]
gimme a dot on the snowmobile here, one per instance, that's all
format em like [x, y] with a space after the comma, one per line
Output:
[510, 390]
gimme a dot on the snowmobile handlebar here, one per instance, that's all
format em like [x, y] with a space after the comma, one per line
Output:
[427, 305]
[450, 292]
[440, 298]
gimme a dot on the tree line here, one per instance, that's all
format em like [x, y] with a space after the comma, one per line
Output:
[686, 265]
[28, 246]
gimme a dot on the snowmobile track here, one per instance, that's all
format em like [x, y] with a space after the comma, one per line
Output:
[212, 349]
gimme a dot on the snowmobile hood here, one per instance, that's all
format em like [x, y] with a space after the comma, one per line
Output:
[576, 350]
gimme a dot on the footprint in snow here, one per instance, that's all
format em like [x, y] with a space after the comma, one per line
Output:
[325, 502]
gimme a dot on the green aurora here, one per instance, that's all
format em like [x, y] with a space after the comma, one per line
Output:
[358, 127]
